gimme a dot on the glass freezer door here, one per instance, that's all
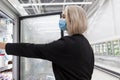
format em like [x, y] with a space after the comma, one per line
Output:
[40, 30]
[6, 35]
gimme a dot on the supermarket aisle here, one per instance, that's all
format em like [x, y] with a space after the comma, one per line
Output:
[99, 75]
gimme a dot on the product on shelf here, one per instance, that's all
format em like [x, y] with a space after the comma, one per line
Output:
[2, 61]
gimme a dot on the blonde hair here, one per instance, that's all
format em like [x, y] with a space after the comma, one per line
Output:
[76, 19]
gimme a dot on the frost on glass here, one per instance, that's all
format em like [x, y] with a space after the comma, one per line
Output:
[39, 30]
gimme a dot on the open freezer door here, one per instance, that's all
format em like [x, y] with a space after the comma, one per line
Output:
[38, 29]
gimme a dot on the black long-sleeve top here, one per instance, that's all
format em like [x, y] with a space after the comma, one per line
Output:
[72, 56]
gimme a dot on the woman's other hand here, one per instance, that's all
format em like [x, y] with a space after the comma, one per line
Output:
[2, 45]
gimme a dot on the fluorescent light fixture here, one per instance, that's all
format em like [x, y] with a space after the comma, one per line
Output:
[67, 3]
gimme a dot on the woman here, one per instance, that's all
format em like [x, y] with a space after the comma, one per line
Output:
[72, 56]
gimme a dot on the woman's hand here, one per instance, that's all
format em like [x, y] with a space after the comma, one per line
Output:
[2, 45]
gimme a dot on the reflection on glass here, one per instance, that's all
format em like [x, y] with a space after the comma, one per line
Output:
[38, 30]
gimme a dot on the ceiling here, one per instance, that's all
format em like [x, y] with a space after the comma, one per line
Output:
[44, 9]
[24, 9]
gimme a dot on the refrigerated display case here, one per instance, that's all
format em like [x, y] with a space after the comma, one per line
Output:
[116, 48]
[110, 49]
[97, 49]
[105, 51]
[101, 48]
[6, 35]
[40, 29]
